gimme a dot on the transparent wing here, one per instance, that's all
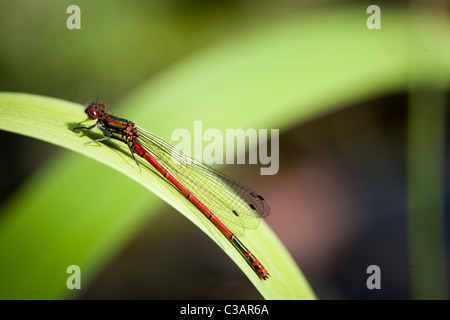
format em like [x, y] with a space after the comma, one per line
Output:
[228, 199]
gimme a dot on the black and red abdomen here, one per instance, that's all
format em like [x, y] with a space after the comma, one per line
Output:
[114, 123]
[120, 126]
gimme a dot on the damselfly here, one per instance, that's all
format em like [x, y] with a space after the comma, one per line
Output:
[214, 194]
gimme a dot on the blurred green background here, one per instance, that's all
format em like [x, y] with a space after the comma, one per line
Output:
[363, 118]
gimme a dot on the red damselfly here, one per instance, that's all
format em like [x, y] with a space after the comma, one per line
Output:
[198, 182]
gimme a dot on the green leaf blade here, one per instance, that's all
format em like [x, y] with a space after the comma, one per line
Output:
[34, 116]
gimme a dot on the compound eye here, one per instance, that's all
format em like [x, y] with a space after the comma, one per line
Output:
[92, 113]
